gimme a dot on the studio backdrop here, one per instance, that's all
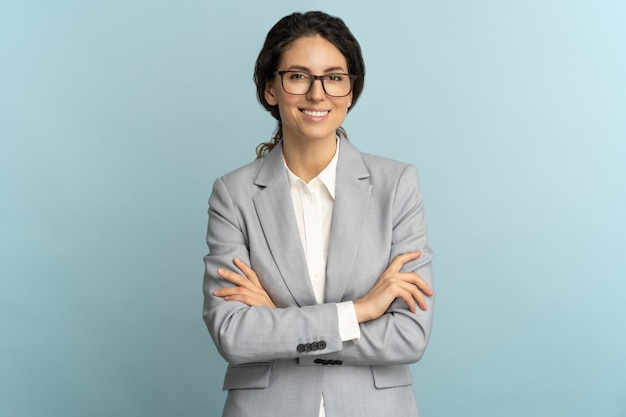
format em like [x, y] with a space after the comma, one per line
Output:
[117, 116]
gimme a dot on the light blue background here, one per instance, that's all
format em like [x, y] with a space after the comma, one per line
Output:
[116, 117]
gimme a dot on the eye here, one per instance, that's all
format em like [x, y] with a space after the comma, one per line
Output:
[335, 77]
[298, 76]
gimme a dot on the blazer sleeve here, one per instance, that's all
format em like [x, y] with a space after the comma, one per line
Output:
[399, 336]
[246, 334]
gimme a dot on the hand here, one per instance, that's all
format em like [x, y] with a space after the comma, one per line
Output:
[391, 285]
[248, 288]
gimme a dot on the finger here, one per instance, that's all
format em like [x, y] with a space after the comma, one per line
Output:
[247, 271]
[399, 261]
[421, 302]
[234, 278]
[229, 291]
[423, 286]
[228, 275]
[244, 298]
[416, 280]
[409, 300]
[244, 295]
[419, 298]
[416, 296]
[426, 289]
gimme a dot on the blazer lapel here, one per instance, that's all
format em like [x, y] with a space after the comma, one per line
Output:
[275, 212]
[352, 191]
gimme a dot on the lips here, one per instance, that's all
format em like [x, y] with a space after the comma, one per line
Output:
[315, 113]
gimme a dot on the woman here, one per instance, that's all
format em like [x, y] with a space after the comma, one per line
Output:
[318, 280]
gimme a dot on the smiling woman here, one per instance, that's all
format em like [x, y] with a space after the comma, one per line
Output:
[310, 116]
[318, 282]
[283, 37]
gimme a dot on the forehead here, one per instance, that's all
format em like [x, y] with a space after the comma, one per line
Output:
[314, 53]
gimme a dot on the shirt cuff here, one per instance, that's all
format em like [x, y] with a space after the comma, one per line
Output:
[348, 324]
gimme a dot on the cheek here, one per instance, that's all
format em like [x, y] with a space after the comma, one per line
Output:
[286, 109]
[343, 103]
[288, 103]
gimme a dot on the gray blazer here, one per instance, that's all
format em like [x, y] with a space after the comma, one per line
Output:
[281, 361]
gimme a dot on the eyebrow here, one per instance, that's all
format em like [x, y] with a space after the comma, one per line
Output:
[306, 69]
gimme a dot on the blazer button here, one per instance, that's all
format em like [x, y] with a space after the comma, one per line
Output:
[318, 361]
[314, 346]
[300, 348]
[307, 347]
[321, 345]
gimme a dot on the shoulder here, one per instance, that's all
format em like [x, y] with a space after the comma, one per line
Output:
[393, 181]
[261, 172]
[381, 169]
[236, 185]
[382, 163]
[244, 173]
[391, 177]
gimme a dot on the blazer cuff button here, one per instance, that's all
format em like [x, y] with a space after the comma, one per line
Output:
[300, 348]
[321, 345]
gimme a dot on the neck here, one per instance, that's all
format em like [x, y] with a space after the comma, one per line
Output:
[307, 160]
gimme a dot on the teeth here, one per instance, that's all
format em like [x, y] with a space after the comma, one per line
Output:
[315, 113]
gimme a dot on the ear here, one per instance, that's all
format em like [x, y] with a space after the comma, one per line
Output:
[270, 94]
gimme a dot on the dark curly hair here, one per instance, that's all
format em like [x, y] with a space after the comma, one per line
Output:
[286, 31]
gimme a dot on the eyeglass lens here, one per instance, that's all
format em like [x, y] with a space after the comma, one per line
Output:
[336, 85]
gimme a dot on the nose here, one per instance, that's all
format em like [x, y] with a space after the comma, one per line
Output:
[316, 92]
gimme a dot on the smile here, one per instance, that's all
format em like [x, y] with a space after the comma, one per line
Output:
[314, 113]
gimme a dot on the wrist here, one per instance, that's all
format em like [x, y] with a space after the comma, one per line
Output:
[362, 314]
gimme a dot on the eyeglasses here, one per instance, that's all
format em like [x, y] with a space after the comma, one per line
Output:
[300, 82]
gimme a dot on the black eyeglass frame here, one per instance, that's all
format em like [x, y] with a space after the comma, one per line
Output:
[313, 78]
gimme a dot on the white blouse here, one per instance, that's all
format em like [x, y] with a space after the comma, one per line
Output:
[313, 205]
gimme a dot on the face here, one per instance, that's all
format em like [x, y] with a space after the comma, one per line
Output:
[314, 116]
